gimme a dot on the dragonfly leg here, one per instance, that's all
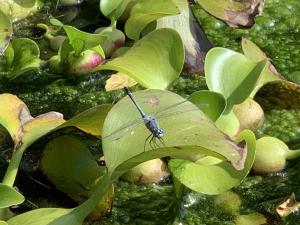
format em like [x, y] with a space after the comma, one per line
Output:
[161, 140]
[146, 142]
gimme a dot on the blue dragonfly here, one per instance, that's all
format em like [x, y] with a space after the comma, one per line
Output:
[150, 121]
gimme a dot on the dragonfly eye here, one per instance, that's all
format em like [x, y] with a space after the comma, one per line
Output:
[160, 133]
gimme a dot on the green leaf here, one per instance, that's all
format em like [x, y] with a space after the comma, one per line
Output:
[90, 121]
[60, 216]
[20, 9]
[209, 102]
[191, 34]
[113, 9]
[56, 22]
[5, 32]
[9, 196]
[9, 55]
[217, 178]
[231, 74]
[188, 132]
[146, 11]
[46, 216]
[228, 123]
[81, 40]
[3, 223]
[26, 56]
[154, 61]
[71, 167]
[269, 73]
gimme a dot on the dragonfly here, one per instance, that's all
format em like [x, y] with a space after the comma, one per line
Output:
[150, 120]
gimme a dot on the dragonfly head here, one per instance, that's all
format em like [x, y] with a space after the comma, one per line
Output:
[159, 133]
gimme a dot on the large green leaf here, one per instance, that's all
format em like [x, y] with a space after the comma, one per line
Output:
[195, 43]
[5, 31]
[113, 9]
[61, 216]
[216, 178]
[81, 41]
[146, 11]
[154, 61]
[269, 73]
[188, 132]
[90, 121]
[26, 56]
[211, 103]
[47, 216]
[231, 74]
[71, 167]
[3, 223]
[9, 196]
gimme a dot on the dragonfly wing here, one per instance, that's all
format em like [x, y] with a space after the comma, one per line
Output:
[118, 133]
[177, 108]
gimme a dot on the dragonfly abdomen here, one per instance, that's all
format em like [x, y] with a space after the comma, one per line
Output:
[152, 125]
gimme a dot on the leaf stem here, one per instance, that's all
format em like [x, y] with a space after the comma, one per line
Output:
[101, 189]
[292, 154]
[12, 169]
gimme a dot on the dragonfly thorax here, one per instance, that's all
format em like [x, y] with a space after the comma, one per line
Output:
[152, 125]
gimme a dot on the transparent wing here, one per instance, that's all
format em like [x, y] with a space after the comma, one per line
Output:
[170, 110]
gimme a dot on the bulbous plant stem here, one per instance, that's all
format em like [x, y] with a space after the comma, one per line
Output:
[102, 187]
[292, 154]
[12, 169]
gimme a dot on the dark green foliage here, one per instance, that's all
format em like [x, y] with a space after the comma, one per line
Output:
[186, 85]
[66, 98]
[276, 33]
[283, 124]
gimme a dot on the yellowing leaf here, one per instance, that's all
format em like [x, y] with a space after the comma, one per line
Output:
[41, 125]
[13, 114]
[22, 127]
[119, 81]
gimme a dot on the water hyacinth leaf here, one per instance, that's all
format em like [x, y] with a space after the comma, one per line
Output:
[26, 56]
[83, 40]
[9, 196]
[61, 216]
[53, 216]
[71, 167]
[9, 55]
[146, 11]
[209, 102]
[22, 127]
[231, 74]
[234, 13]
[191, 34]
[10, 118]
[5, 31]
[269, 74]
[186, 128]
[90, 121]
[228, 123]
[154, 61]
[216, 178]
[37, 127]
[113, 9]
[18, 10]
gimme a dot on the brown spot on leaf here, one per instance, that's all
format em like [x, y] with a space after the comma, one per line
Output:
[152, 101]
